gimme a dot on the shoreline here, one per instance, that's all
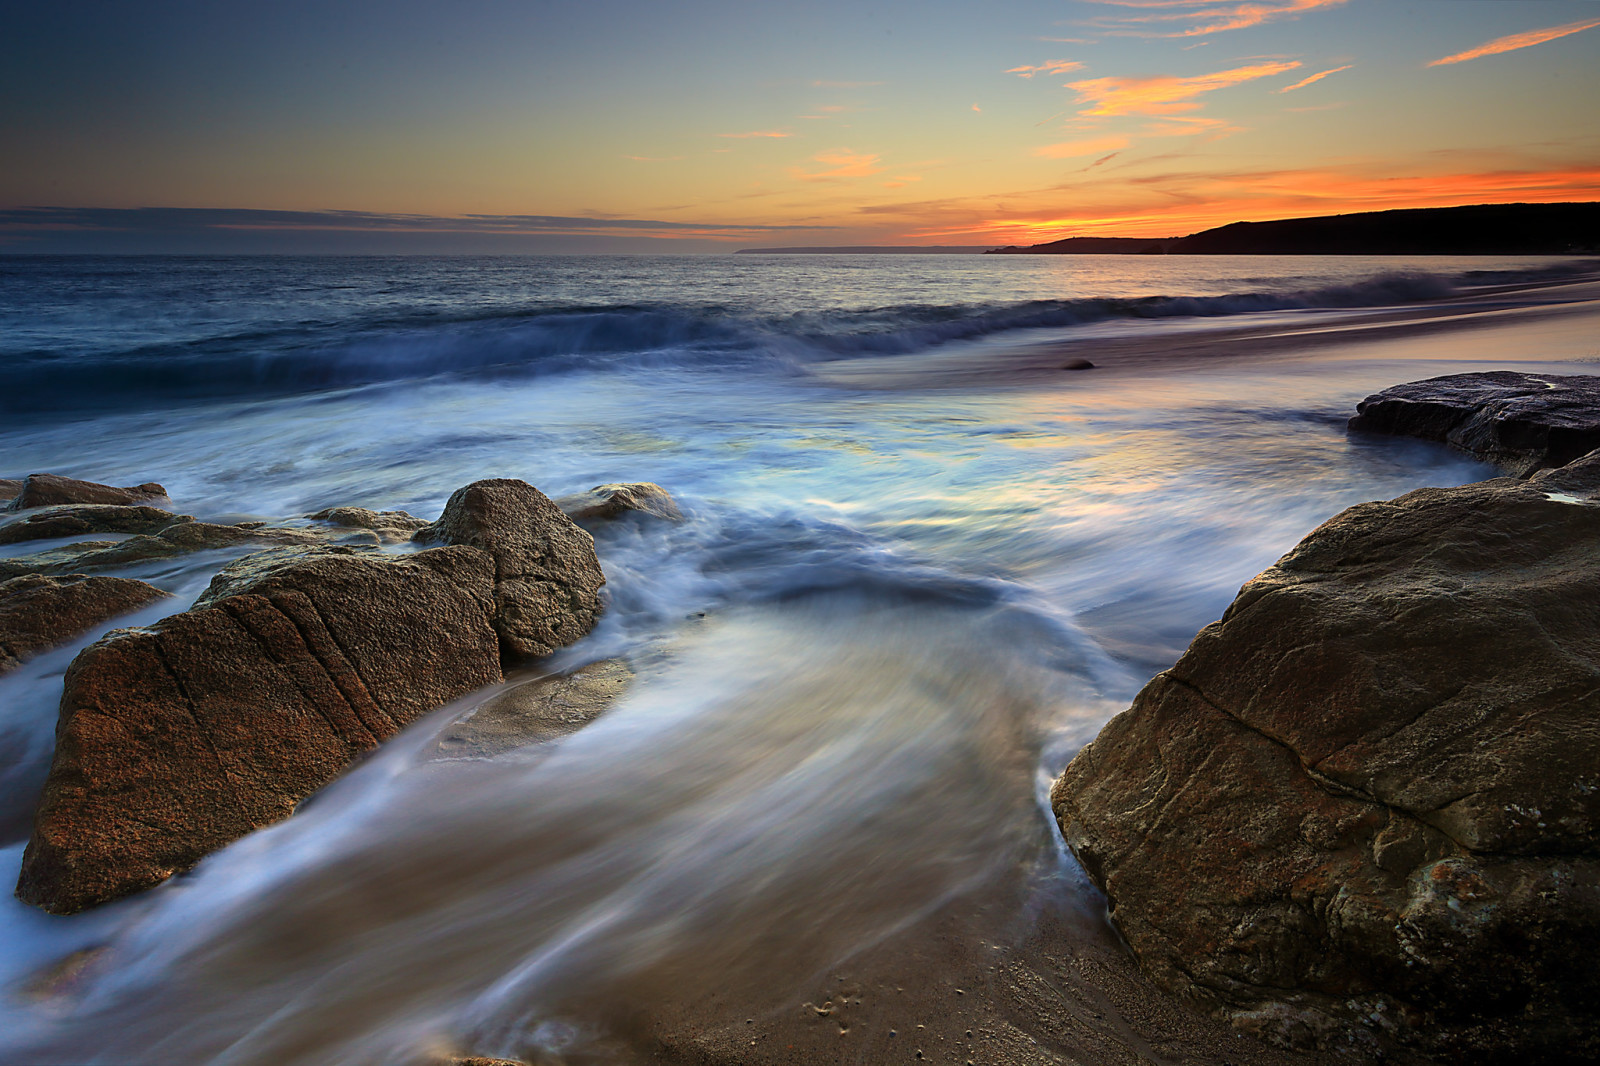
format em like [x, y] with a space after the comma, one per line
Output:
[1043, 362]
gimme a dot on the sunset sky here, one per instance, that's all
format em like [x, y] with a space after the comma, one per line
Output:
[700, 125]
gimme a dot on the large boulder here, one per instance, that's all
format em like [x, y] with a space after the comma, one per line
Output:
[547, 578]
[1365, 805]
[38, 613]
[177, 738]
[1524, 422]
[79, 519]
[46, 490]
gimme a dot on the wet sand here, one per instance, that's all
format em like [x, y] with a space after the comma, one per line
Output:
[1566, 308]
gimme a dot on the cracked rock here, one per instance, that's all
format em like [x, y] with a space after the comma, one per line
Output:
[1364, 807]
[178, 738]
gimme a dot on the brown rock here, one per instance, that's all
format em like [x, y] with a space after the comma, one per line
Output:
[39, 613]
[45, 490]
[178, 738]
[77, 519]
[547, 579]
[1365, 805]
[9, 487]
[391, 526]
[605, 502]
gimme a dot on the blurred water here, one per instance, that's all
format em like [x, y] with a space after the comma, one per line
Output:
[888, 617]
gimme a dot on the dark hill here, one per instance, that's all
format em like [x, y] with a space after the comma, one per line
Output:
[1485, 229]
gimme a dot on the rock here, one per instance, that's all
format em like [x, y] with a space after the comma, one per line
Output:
[1077, 364]
[39, 613]
[45, 490]
[391, 526]
[1365, 805]
[547, 579]
[178, 738]
[175, 539]
[77, 519]
[1524, 422]
[605, 502]
[538, 710]
[9, 487]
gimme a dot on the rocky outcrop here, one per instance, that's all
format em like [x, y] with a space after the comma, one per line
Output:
[178, 538]
[547, 578]
[1365, 805]
[392, 527]
[46, 490]
[79, 519]
[606, 502]
[39, 613]
[177, 738]
[9, 487]
[1524, 422]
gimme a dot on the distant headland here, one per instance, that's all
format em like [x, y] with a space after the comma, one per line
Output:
[1484, 229]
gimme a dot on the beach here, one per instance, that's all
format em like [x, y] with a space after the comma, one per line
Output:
[920, 565]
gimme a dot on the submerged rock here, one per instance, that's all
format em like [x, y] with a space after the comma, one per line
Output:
[1365, 805]
[1524, 422]
[605, 502]
[390, 526]
[44, 490]
[177, 738]
[9, 487]
[547, 578]
[175, 539]
[38, 613]
[77, 519]
[537, 710]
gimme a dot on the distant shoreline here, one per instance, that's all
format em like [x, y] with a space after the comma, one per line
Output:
[1483, 229]
[876, 249]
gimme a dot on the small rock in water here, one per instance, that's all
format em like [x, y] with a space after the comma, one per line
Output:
[44, 490]
[390, 526]
[1077, 364]
[605, 502]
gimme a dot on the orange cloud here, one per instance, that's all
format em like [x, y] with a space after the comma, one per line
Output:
[1237, 16]
[757, 133]
[843, 163]
[1163, 94]
[1314, 78]
[1518, 40]
[1073, 149]
[1049, 66]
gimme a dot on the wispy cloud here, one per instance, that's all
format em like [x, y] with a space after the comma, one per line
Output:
[653, 158]
[840, 163]
[1518, 40]
[1301, 84]
[757, 133]
[1049, 66]
[1163, 94]
[1207, 16]
[1073, 149]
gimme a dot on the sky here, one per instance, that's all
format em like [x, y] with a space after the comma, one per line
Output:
[704, 125]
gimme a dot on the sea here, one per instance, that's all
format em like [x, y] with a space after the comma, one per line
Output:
[891, 615]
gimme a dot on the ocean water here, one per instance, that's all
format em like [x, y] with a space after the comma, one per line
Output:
[889, 618]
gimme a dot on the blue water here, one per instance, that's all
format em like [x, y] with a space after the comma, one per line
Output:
[890, 615]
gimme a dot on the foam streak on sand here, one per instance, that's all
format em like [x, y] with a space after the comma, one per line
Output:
[813, 824]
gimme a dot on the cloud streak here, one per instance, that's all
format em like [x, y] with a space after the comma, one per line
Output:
[1074, 149]
[1518, 40]
[1163, 94]
[841, 163]
[1049, 66]
[1208, 17]
[757, 134]
[1314, 78]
